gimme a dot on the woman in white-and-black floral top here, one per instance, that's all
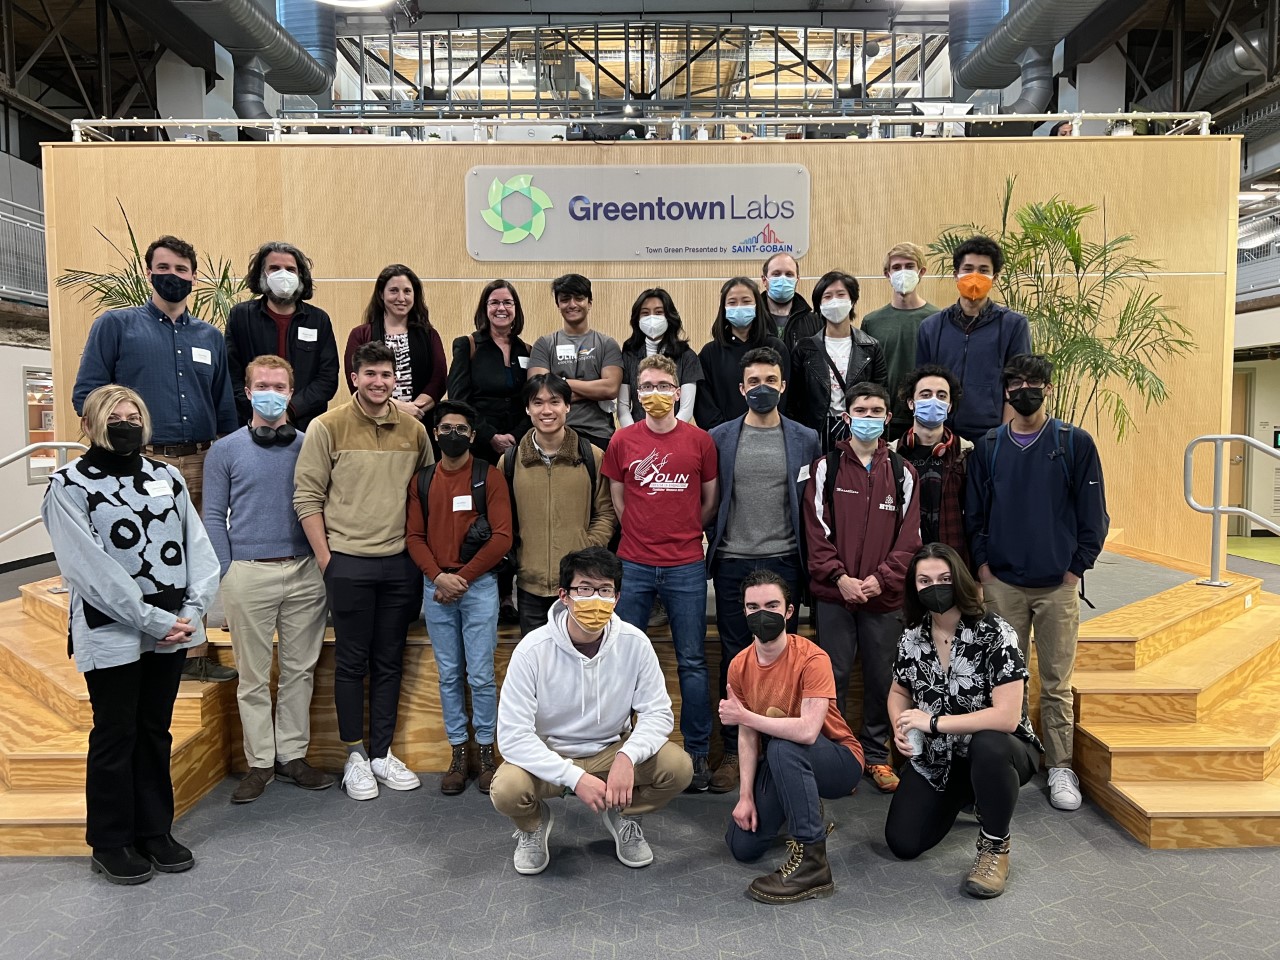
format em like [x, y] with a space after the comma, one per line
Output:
[957, 712]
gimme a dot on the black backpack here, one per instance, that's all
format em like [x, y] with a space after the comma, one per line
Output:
[585, 453]
[896, 463]
[479, 533]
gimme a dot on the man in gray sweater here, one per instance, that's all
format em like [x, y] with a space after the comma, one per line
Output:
[269, 579]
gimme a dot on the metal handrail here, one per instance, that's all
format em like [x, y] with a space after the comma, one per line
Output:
[1218, 510]
[61, 446]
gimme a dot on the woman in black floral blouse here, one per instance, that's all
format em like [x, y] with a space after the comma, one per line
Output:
[957, 713]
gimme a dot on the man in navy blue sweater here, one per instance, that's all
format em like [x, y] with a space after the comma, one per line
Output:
[1036, 515]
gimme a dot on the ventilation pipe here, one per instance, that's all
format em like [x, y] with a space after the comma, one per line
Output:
[969, 23]
[248, 89]
[994, 62]
[1229, 67]
[1037, 82]
[314, 25]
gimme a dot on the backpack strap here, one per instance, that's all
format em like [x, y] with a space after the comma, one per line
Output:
[829, 486]
[1067, 441]
[899, 486]
[479, 481]
[993, 437]
[586, 453]
[425, 476]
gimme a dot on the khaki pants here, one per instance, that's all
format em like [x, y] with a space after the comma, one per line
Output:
[1052, 616]
[263, 599]
[517, 794]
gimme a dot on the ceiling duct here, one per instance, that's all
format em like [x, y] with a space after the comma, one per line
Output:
[1037, 82]
[1255, 233]
[1228, 68]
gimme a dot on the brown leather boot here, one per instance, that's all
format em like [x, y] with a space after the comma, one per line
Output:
[804, 876]
[455, 779]
[487, 768]
[990, 869]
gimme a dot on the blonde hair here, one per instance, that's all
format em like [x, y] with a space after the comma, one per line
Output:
[99, 405]
[912, 250]
[657, 362]
[269, 361]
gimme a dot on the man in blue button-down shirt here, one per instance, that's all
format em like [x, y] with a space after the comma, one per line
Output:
[188, 395]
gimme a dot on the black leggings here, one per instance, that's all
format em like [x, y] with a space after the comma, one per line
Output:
[920, 816]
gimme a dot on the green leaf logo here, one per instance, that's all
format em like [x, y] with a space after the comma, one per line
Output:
[539, 203]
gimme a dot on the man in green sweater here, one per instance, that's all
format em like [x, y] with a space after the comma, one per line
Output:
[896, 325]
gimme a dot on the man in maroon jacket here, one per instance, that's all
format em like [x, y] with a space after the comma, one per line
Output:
[862, 524]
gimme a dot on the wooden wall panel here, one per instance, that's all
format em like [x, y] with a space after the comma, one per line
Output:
[355, 208]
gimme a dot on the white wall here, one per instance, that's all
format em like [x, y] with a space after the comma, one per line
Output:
[1263, 421]
[1258, 328]
[20, 501]
[1100, 89]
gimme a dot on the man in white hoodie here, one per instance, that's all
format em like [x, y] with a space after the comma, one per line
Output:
[564, 719]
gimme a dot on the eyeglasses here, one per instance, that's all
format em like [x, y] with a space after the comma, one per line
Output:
[666, 389]
[135, 419]
[505, 304]
[461, 429]
[584, 590]
[1017, 382]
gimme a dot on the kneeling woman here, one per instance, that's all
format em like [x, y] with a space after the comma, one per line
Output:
[141, 573]
[957, 693]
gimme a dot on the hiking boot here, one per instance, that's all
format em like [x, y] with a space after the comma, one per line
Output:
[304, 775]
[804, 876]
[532, 855]
[701, 774]
[829, 825]
[166, 853]
[628, 838]
[883, 777]
[487, 768]
[455, 779]
[657, 614]
[255, 781]
[726, 776]
[122, 865]
[207, 670]
[990, 868]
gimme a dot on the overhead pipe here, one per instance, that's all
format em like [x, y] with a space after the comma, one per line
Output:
[1229, 67]
[1037, 82]
[994, 62]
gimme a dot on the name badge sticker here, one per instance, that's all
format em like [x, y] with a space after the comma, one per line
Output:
[158, 488]
[803, 475]
[307, 333]
[201, 355]
[461, 503]
[524, 362]
[566, 352]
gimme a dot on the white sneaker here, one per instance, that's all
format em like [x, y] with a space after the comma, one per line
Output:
[357, 778]
[392, 773]
[628, 839]
[1064, 788]
[532, 855]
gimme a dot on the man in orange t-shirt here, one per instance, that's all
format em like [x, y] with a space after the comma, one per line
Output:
[794, 747]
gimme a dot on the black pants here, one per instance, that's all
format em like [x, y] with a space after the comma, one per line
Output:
[872, 639]
[533, 610]
[128, 790]
[731, 618]
[920, 816]
[373, 601]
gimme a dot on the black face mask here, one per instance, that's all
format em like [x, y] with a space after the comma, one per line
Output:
[1026, 400]
[125, 438]
[171, 287]
[766, 625]
[454, 445]
[938, 597]
[280, 436]
[763, 399]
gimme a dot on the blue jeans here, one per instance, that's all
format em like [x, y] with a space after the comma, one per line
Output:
[466, 628]
[683, 591]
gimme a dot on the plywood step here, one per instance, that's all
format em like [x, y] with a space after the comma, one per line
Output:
[1184, 685]
[41, 604]
[1182, 814]
[1142, 632]
[45, 824]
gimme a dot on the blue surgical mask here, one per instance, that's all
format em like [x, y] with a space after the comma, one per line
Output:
[931, 412]
[782, 289]
[269, 404]
[866, 429]
[741, 316]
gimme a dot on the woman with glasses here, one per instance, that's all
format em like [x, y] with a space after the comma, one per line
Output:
[656, 328]
[956, 710]
[141, 573]
[742, 323]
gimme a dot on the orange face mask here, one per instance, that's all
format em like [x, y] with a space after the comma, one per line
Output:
[973, 286]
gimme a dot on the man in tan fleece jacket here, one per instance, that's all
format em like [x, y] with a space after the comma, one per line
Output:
[350, 489]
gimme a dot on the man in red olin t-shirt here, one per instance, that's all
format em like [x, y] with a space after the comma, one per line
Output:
[794, 746]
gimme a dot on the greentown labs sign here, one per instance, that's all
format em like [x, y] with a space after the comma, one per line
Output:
[700, 212]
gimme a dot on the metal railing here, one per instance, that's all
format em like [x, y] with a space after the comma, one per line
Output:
[61, 446]
[1218, 510]
[22, 258]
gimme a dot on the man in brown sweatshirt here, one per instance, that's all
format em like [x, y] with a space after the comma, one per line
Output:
[458, 537]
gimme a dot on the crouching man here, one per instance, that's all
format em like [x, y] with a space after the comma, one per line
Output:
[564, 719]
[794, 747]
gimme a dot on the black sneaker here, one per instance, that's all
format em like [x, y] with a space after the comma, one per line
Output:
[508, 615]
[121, 865]
[207, 670]
[701, 774]
[168, 855]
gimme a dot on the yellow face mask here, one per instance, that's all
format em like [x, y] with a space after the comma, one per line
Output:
[657, 405]
[592, 613]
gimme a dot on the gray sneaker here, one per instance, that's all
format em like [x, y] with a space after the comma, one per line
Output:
[628, 839]
[532, 855]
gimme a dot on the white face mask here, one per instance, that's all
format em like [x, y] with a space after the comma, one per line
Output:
[904, 281]
[836, 310]
[654, 326]
[283, 284]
